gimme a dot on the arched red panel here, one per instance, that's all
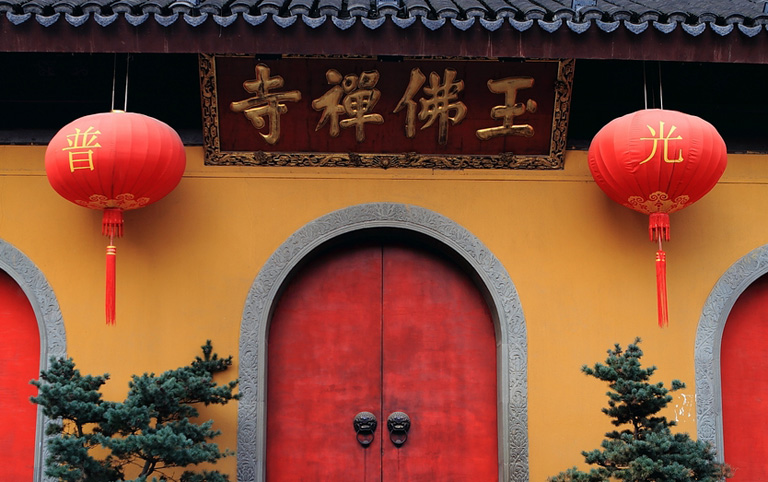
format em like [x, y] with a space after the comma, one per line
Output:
[744, 381]
[19, 363]
[381, 328]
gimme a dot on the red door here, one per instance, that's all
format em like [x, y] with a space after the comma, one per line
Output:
[19, 363]
[744, 382]
[383, 329]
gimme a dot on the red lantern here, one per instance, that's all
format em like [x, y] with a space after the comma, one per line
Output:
[114, 162]
[657, 162]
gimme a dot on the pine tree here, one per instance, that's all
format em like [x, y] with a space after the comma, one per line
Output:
[153, 428]
[645, 449]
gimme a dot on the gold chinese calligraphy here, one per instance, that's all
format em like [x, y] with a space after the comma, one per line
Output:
[371, 112]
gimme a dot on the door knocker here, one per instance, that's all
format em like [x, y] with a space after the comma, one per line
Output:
[365, 426]
[398, 424]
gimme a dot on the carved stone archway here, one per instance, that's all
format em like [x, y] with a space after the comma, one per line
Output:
[53, 341]
[502, 298]
[709, 407]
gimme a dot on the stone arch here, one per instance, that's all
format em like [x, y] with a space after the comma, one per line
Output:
[709, 334]
[50, 324]
[503, 301]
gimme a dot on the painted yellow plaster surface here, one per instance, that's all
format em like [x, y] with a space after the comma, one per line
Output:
[583, 267]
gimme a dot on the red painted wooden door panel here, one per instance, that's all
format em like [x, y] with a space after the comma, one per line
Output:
[744, 382]
[324, 367]
[381, 329]
[19, 363]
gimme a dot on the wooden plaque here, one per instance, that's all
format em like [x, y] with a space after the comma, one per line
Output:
[385, 112]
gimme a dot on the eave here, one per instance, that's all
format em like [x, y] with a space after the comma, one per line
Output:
[538, 40]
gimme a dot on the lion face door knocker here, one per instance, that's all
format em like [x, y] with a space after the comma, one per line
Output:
[398, 424]
[365, 426]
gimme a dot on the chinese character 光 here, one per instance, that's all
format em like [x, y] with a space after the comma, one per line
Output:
[437, 107]
[265, 103]
[510, 109]
[80, 147]
[360, 98]
[666, 140]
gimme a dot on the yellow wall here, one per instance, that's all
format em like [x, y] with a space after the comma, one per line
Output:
[583, 267]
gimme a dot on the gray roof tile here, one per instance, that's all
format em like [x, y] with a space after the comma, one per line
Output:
[330, 7]
[472, 8]
[300, 7]
[358, 8]
[445, 8]
[731, 17]
[417, 8]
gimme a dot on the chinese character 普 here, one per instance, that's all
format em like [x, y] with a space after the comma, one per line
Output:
[510, 109]
[265, 103]
[80, 147]
[438, 106]
[360, 98]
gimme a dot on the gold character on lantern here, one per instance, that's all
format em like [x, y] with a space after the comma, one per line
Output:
[664, 139]
[359, 99]
[80, 147]
[437, 107]
[510, 109]
[265, 103]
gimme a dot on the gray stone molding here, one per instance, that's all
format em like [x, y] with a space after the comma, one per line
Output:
[502, 298]
[729, 287]
[53, 342]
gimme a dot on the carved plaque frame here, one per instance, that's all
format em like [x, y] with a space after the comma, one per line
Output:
[214, 156]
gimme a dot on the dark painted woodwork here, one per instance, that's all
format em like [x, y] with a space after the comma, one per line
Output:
[381, 329]
[744, 382]
[19, 363]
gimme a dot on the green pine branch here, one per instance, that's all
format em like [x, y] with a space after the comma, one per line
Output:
[154, 428]
[645, 449]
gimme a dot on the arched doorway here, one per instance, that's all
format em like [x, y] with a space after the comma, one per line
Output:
[25, 280]
[382, 327]
[744, 384]
[19, 363]
[485, 269]
[709, 336]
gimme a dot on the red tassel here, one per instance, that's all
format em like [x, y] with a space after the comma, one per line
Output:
[658, 226]
[661, 287]
[112, 223]
[112, 226]
[110, 300]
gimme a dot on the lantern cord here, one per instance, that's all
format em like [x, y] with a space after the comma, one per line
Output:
[645, 88]
[127, 67]
[114, 81]
[661, 93]
[114, 76]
